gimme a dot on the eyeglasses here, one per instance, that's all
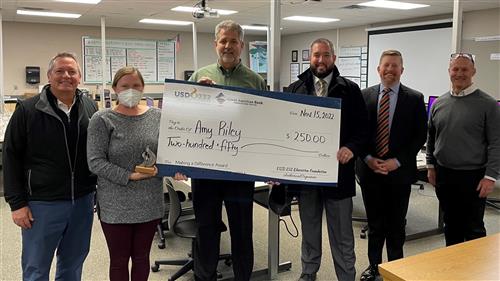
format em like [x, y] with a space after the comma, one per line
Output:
[463, 55]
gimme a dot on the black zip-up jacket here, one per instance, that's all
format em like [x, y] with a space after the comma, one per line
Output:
[353, 126]
[36, 153]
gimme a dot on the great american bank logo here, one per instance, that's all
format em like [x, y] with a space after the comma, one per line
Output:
[220, 98]
[194, 95]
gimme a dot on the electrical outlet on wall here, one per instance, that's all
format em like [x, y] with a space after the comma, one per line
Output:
[16, 91]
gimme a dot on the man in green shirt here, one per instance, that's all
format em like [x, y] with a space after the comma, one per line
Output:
[208, 194]
[229, 71]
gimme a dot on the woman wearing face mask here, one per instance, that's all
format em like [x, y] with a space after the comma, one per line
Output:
[130, 204]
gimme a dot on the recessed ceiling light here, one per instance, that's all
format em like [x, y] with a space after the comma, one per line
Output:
[48, 14]
[392, 5]
[80, 1]
[168, 22]
[255, 27]
[192, 9]
[310, 19]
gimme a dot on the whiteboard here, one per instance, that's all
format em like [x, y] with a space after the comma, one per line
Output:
[426, 53]
[154, 59]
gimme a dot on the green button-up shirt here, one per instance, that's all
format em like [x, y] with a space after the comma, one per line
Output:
[240, 76]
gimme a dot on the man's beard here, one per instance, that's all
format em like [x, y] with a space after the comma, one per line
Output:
[227, 58]
[322, 75]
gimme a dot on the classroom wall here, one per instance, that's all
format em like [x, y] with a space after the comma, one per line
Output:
[354, 36]
[476, 23]
[480, 24]
[298, 42]
[34, 44]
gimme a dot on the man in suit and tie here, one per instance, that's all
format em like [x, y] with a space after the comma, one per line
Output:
[387, 169]
[323, 79]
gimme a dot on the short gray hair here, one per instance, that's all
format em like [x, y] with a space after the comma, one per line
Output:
[323, 41]
[63, 55]
[231, 26]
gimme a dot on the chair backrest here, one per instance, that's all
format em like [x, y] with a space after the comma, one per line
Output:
[174, 211]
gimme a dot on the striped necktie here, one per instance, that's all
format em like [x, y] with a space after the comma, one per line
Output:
[382, 140]
[321, 88]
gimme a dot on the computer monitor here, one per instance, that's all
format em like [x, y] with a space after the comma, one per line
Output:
[430, 101]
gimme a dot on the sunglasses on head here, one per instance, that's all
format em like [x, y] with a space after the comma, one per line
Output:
[463, 55]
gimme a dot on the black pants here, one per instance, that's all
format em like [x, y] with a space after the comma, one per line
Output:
[386, 206]
[462, 207]
[208, 196]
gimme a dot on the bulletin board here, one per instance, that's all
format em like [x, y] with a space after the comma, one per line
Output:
[352, 63]
[155, 59]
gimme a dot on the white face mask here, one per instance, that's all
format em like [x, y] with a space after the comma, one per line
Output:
[130, 97]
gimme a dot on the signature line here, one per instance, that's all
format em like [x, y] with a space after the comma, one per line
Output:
[263, 143]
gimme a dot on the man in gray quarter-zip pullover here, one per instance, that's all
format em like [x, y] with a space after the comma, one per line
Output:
[46, 178]
[463, 151]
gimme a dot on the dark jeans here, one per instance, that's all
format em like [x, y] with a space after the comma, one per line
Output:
[127, 241]
[462, 207]
[386, 206]
[208, 196]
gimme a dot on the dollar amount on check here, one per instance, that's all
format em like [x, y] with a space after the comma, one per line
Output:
[239, 134]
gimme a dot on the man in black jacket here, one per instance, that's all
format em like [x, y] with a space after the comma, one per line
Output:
[323, 79]
[386, 171]
[46, 178]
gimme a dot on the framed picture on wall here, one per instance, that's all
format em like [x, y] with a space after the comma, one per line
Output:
[295, 55]
[305, 66]
[305, 55]
[294, 72]
[257, 51]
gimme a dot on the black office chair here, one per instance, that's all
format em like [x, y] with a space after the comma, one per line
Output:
[183, 226]
[186, 207]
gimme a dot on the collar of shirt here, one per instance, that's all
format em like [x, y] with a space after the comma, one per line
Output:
[467, 91]
[327, 79]
[66, 109]
[228, 72]
[394, 89]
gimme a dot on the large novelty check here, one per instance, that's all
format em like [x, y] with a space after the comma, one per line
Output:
[240, 134]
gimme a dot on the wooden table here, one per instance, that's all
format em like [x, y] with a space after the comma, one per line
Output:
[472, 260]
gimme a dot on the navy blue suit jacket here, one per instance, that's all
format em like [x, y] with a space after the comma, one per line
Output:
[407, 136]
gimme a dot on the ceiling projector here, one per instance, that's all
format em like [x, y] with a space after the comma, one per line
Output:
[205, 12]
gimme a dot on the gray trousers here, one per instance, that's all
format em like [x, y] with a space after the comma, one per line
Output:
[340, 232]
